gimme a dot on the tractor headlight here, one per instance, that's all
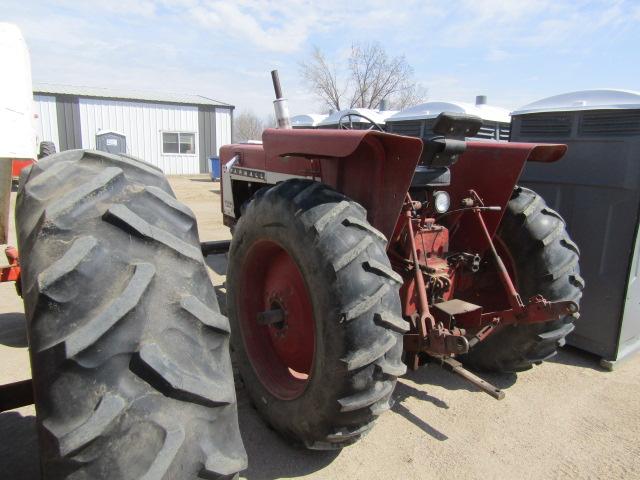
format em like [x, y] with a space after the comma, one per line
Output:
[441, 201]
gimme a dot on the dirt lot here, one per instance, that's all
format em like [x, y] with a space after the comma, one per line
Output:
[565, 419]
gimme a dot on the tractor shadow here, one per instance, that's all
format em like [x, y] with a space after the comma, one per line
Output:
[13, 332]
[402, 393]
[574, 357]
[217, 263]
[433, 374]
[270, 456]
[19, 446]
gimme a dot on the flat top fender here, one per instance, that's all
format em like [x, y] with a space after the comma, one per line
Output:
[373, 168]
[326, 142]
[492, 169]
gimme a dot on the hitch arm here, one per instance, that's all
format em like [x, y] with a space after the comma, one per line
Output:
[432, 337]
[537, 310]
[514, 297]
[456, 367]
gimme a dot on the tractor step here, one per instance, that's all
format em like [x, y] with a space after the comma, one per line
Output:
[456, 367]
[215, 247]
[16, 394]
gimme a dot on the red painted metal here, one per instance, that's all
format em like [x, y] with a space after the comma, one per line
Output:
[425, 319]
[11, 273]
[508, 260]
[281, 353]
[491, 170]
[537, 310]
[437, 256]
[432, 336]
[421, 244]
[18, 164]
[373, 168]
[514, 297]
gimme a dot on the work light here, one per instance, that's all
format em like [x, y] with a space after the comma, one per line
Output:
[441, 201]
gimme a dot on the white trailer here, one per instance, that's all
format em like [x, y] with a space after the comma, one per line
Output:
[18, 142]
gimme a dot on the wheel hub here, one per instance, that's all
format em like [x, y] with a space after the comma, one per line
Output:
[276, 320]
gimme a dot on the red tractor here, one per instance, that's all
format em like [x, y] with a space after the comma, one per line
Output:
[357, 253]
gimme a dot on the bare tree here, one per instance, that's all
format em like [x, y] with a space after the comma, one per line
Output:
[322, 77]
[247, 126]
[270, 121]
[371, 76]
[412, 94]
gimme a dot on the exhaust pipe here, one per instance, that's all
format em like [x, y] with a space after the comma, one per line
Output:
[280, 104]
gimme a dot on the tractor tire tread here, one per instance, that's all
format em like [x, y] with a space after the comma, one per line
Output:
[547, 263]
[127, 342]
[351, 253]
[366, 398]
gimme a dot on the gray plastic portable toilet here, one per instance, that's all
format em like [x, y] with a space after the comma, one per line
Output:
[351, 118]
[307, 120]
[111, 142]
[596, 188]
[418, 121]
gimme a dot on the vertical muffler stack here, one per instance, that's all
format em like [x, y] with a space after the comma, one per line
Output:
[280, 104]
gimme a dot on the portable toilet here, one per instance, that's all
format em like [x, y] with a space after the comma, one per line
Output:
[418, 121]
[308, 120]
[111, 142]
[596, 188]
[356, 118]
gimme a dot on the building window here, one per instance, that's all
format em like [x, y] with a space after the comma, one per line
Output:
[178, 142]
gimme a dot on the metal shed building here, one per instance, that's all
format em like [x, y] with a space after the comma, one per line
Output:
[596, 188]
[176, 132]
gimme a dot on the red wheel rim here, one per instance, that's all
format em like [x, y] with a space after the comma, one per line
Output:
[281, 353]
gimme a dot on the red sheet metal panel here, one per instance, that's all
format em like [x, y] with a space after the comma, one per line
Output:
[373, 168]
[492, 170]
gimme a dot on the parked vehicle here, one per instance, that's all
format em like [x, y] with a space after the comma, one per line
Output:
[357, 253]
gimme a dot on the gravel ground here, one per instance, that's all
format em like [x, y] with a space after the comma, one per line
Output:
[565, 419]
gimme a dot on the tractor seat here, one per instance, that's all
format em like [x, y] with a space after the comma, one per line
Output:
[425, 177]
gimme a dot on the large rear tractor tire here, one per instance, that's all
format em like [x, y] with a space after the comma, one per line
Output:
[544, 260]
[315, 314]
[46, 149]
[129, 351]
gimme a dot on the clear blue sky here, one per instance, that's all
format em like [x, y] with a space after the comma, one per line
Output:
[514, 51]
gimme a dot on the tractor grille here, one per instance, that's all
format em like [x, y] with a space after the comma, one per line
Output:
[504, 131]
[610, 123]
[553, 125]
[486, 132]
[428, 126]
[410, 129]
[423, 128]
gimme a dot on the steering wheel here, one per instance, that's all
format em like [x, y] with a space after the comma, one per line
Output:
[349, 126]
